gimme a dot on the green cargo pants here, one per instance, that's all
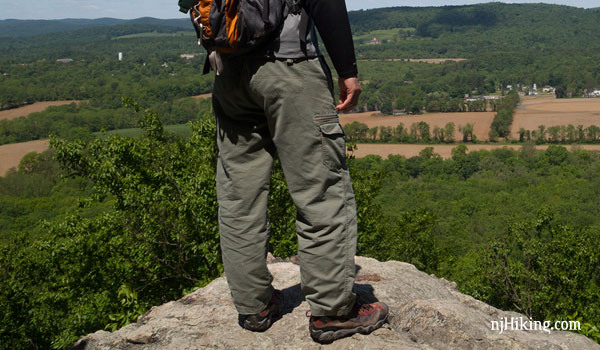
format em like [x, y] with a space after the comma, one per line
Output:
[265, 108]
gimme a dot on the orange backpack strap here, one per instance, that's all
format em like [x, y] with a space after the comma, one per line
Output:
[231, 18]
[204, 9]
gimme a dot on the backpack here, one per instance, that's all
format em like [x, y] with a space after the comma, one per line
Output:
[236, 26]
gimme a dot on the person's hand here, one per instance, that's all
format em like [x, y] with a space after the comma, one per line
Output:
[349, 92]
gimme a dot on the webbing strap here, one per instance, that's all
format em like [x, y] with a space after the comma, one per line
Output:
[265, 14]
[206, 68]
[324, 66]
[303, 26]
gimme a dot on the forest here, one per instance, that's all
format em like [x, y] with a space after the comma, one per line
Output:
[120, 213]
[96, 232]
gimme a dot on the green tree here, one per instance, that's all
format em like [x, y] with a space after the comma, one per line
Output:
[449, 132]
[534, 255]
[467, 131]
[158, 238]
[423, 131]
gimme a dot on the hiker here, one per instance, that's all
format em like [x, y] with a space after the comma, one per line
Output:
[277, 100]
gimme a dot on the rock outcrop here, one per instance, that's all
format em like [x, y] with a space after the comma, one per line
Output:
[426, 313]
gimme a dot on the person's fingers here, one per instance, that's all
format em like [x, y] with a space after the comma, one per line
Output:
[349, 92]
[343, 96]
[349, 103]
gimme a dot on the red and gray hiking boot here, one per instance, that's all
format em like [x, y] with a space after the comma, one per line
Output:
[261, 321]
[364, 318]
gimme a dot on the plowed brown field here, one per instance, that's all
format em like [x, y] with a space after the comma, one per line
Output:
[481, 121]
[26, 110]
[203, 96]
[11, 154]
[408, 150]
[549, 111]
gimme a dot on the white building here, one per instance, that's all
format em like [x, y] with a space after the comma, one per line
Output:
[548, 89]
[120, 56]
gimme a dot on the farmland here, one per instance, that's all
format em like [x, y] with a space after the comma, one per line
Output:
[203, 96]
[10, 155]
[13, 113]
[481, 121]
[408, 150]
[534, 111]
[549, 111]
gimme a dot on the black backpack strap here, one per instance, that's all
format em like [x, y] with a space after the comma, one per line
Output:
[265, 14]
[304, 26]
[324, 66]
[206, 68]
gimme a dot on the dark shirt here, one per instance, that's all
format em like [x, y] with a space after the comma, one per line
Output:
[331, 19]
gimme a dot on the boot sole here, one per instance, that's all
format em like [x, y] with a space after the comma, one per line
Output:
[326, 337]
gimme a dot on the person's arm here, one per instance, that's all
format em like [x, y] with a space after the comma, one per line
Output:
[331, 19]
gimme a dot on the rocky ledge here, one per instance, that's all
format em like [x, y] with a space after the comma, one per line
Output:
[426, 313]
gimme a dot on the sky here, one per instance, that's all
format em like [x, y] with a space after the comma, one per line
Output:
[56, 9]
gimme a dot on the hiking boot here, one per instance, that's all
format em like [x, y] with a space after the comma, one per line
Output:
[364, 318]
[261, 321]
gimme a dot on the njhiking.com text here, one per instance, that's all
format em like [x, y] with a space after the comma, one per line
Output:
[527, 324]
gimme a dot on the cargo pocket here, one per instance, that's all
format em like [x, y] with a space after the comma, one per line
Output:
[333, 145]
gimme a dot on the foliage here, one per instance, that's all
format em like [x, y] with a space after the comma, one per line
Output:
[503, 119]
[157, 238]
[417, 133]
[410, 239]
[145, 231]
[544, 270]
[516, 229]
[34, 193]
[79, 121]
[588, 329]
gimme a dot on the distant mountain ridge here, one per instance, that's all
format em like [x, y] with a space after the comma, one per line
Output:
[430, 20]
[13, 28]
[493, 32]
